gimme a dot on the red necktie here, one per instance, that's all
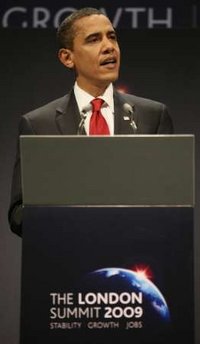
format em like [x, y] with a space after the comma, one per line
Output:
[98, 124]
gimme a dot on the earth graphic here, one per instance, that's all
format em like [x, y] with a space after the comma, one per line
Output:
[155, 309]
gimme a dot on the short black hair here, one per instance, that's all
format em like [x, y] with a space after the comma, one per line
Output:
[66, 31]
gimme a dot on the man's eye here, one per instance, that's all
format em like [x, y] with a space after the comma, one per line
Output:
[113, 36]
[92, 39]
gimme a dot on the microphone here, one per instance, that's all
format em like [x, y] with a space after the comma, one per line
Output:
[83, 115]
[129, 110]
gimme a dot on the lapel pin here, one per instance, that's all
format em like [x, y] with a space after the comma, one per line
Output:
[126, 118]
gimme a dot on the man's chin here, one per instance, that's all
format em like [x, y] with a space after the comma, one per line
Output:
[109, 78]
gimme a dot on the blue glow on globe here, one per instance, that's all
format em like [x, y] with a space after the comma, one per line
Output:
[120, 280]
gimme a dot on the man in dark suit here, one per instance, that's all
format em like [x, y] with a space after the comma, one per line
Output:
[88, 45]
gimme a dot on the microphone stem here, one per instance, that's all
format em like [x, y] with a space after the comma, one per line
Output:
[81, 125]
[133, 125]
[83, 115]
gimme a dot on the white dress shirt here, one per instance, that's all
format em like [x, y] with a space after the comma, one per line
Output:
[83, 100]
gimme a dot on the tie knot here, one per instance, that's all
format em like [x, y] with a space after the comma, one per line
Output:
[97, 104]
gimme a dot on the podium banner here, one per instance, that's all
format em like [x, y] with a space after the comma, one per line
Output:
[98, 274]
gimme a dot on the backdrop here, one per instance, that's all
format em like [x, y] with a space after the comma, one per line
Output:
[159, 64]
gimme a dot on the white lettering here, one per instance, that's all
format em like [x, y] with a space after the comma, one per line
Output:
[117, 17]
[99, 325]
[109, 298]
[44, 17]
[135, 11]
[5, 21]
[77, 312]
[167, 22]
[53, 313]
[41, 16]
[64, 298]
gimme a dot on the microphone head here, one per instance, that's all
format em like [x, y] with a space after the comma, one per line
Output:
[86, 108]
[128, 108]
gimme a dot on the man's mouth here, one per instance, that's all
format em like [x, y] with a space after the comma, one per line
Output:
[108, 61]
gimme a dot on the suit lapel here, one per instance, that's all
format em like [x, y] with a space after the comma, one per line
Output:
[122, 122]
[67, 115]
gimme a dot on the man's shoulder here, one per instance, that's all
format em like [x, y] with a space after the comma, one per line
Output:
[141, 101]
[151, 116]
[48, 109]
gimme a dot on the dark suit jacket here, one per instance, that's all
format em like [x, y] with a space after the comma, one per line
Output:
[62, 117]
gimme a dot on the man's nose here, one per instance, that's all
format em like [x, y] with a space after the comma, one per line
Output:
[108, 45]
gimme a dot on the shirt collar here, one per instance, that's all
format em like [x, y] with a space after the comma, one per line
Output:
[83, 98]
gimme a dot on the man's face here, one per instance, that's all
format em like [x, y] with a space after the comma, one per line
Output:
[95, 54]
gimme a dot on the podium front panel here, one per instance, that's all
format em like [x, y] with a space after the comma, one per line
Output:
[100, 275]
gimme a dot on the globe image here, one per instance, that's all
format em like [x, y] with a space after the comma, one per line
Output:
[155, 309]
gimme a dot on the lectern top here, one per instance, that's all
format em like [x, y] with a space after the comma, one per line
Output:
[135, 170]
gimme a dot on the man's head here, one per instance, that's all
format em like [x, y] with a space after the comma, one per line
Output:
[89, 45]
[67, 30]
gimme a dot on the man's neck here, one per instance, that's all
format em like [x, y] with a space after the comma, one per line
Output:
[93, 90]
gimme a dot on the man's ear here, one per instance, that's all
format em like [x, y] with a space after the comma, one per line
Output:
[66, 57]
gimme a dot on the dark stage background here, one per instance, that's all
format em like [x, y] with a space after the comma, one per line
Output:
[159, 64]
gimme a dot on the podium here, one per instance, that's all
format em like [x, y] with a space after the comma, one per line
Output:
[107, 239]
